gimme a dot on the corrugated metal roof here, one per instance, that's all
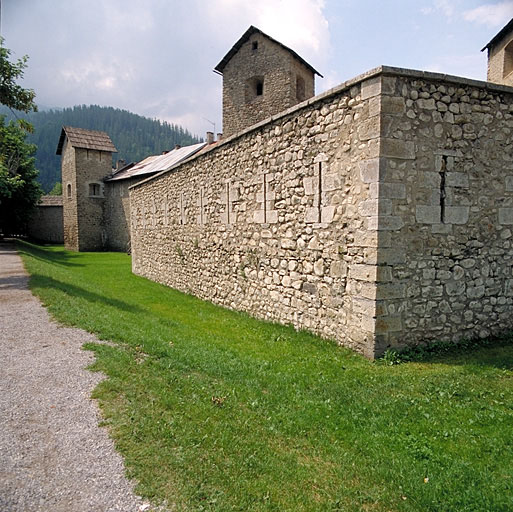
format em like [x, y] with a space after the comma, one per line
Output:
[86, 139]
[252, 30]
[50, 201]
[500, 35]
[157, 163]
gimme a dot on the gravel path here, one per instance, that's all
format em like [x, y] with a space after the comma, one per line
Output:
[53, 455]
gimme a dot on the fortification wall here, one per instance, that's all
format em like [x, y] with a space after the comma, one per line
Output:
[273, 221]
[450, 262]
[117, 214]
[46, 224]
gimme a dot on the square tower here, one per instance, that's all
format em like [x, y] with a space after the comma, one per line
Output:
[86, 161]
[261, 77]
[500, 56]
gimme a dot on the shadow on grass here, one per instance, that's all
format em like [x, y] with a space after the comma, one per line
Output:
[39, 281]
[58, 256]
[495, 352]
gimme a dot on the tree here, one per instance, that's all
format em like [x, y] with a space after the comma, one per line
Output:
[19, 190]
[13, 95]
[56, 190]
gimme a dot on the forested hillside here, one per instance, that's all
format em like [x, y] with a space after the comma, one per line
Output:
[134, 136]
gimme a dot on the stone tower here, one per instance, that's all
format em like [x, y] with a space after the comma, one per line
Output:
[500, 56]
[261, 77]
[86, 161]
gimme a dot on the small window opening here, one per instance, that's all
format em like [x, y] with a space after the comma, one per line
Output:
[508, 60]
[254, 45]
[300, 88]
[254, 88]
[94, 189]
[68, 188]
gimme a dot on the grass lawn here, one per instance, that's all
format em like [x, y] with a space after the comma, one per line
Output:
[214, 410]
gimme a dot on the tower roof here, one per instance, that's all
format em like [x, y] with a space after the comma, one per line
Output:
[86, 139]
[504, 31]
[253, 30]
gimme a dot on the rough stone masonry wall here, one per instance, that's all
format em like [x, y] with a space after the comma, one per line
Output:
[117, 214]
[445, 188]
[46, 224]
[91, 167]
[273, 221]
[69, 197]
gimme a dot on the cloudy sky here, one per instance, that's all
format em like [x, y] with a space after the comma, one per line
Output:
[155, 57]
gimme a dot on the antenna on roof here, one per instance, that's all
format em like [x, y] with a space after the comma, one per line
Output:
[209, 121]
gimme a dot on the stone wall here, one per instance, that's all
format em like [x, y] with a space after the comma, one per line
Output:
[46, 224]
[446, 180]
[69, 197]
[275, 68]
[379, 214]
[117, 214]
[271, 222]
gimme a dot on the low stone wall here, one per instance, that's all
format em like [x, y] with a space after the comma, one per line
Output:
[46, 224]
[378, 214]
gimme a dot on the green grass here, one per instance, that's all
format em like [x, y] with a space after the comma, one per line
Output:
[214, 410]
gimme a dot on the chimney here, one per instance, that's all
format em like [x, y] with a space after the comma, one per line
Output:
[165, 152]
[219, 136]
[177, 146]
[120, 164]
[210, 137]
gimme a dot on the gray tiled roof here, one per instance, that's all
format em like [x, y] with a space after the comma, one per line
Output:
[86, 139]
[50, 201]
[157, 163]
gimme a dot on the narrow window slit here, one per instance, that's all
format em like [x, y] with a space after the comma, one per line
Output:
[443, 192]
[265, 198]
[319, 188]
[228, 203]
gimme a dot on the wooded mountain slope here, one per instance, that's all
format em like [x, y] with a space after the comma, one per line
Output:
[134, 136]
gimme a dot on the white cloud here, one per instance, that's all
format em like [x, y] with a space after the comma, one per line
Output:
[492, 15]
[300, 24]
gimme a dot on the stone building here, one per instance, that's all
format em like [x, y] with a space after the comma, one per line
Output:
[261, 78]
[95, 201]
[378, 214]
[86, 160]
[500, 56]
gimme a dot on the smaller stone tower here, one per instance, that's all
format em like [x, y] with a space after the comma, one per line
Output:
[86, 161]
[261, 77]
[500, 56]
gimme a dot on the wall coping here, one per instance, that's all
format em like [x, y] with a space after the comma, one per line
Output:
[344, 86]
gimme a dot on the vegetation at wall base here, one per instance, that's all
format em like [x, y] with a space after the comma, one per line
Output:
[214, 410]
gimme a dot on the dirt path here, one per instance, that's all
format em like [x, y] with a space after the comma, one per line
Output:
[53, 455]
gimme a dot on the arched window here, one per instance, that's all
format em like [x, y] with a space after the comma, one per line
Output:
[68, 191]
